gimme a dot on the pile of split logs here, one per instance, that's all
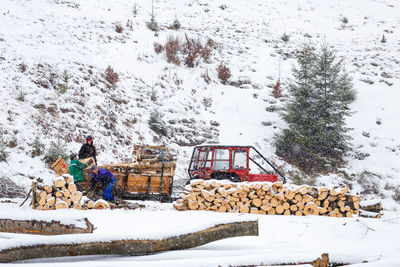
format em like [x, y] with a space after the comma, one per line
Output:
[268, 198]
[62, 194]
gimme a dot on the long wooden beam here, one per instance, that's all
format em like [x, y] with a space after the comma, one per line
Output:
[43, 227]
[131, 247]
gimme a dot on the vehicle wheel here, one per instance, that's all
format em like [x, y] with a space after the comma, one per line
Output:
[228, 176]
[234, 178]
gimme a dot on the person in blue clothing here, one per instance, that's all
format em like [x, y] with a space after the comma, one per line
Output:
[105, 179]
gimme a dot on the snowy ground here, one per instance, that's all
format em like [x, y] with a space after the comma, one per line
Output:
[282, 239]
[50, 45]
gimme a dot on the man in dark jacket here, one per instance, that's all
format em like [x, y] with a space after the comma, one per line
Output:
[76, 170]
[106, 179]
[88, 150]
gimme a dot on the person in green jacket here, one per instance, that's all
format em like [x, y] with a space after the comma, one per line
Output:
[76, 170]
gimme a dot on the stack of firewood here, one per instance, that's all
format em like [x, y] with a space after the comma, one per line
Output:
[62, 194]
[268, 198]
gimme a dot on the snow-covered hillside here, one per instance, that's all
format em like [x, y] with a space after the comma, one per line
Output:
[54, 53]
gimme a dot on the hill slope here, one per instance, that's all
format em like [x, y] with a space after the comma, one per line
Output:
[54, 53]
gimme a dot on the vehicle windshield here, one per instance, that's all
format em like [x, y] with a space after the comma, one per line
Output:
[221, 159]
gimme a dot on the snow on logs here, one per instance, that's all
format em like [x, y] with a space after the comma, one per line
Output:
[268, 198]
[63, 194]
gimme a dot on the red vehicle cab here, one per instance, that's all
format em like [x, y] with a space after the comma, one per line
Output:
[228, 162]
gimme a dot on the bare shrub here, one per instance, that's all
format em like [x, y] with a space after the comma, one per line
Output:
[129, 24]
[190, 51]
[190, 60]
[206, 77]
[171, 50]
[396, 195]
[119, 28]
[158, 48]
[206, 53]
[224, 73]
[111, 76]
[277, 91]
[22, 67]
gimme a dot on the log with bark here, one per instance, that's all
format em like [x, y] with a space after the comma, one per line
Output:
[130, 246]
[43, 227]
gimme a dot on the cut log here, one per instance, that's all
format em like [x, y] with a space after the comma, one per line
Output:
[333, 192]
[289, 195]
[308, 198]
[373, 206]
[286, 205]
[293, 207]
[42, 193]
[59, 183]
[130, 246]
[254, 211]
[266, 188]
[41, 201]
[266, 207]
[286, 212]
[280, 196]
[298, 197]
[323, 210]
[369, 214]
[48, 188]
[59, 194]
[257, 202]
[51, 201]
[323, 195]
[68, 179]
[311, 209]
[90, 204]
[223, 208]
[192, 204]
[298, 213]
[344, 191]
[76, 197]
[72, 188]
[61, 205]
[101, 205]
[277, 184]
[274, 202]
[271, 211]
[260, 192]
[349, 214]
[67, 193]
[279, 209]
[252, 194]
[244, 209]
[77, 206]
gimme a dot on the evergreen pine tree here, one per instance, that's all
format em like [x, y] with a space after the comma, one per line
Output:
[321, 93]
[334, 93]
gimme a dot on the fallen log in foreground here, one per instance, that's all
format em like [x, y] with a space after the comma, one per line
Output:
[43, 227]
[131, 247]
